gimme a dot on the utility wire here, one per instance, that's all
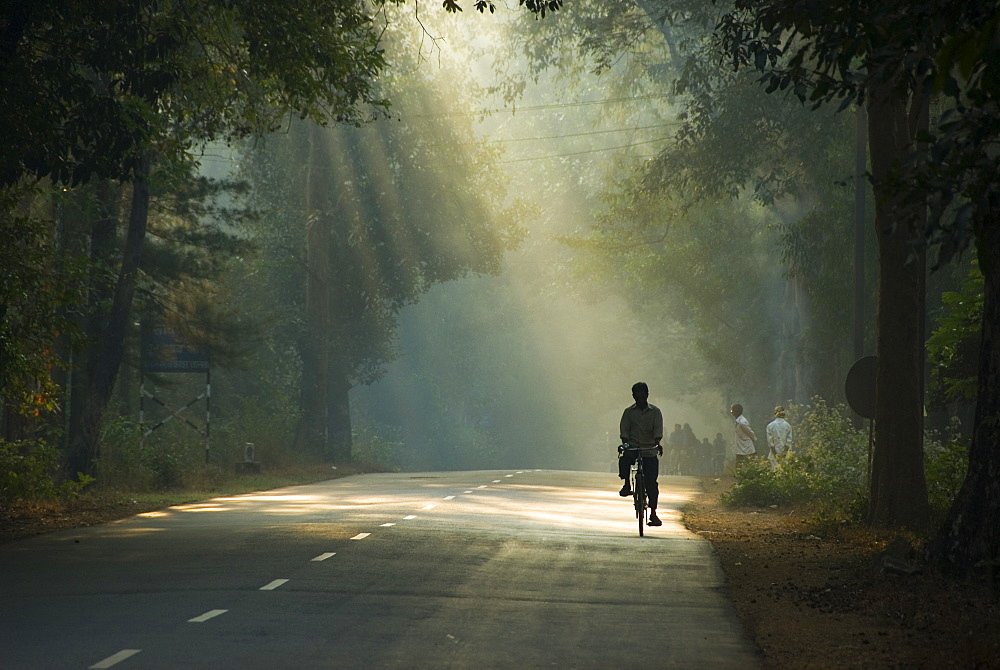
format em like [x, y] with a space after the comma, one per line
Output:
[536, 108]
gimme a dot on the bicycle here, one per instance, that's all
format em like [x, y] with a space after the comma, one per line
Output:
[637, 481]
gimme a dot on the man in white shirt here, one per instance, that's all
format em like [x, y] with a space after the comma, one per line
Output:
[745, 437]
[779, 436]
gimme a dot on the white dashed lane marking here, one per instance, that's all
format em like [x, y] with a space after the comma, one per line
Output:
[410, 516]
[210, 614]
[360, 536]
[116, 658]
[323, 557]
[449, 497]
[431, 506]
[270, 586]
[386, 525]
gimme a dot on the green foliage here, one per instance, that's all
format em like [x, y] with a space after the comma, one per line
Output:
[758, 484]
[38, 298]
[371, 448]
[828, 467]
[266, 420]
[946, 463]
[89, 87]
[130, 462]
[953, 347]
[28, 471]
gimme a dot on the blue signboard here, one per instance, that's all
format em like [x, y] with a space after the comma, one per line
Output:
[164, 351]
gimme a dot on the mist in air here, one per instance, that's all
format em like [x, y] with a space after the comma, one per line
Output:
[532, 367]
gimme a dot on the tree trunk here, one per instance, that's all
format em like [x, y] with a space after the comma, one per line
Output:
[100, 291]
[339, 406]
[105, 354]
[311, 433]
[898, 489]
[969, 540]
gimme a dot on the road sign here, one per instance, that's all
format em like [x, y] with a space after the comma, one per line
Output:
[164, 350]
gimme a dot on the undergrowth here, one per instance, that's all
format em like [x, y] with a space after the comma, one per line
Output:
[827, 467]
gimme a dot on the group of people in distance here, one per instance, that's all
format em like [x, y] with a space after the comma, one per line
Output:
[687, 455]
[642, 427]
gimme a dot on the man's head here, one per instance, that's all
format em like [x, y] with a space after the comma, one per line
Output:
[779, 412]
[677, 426]
[736, 410]
[640, 392]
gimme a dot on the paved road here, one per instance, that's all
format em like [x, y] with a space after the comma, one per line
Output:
[486, 569]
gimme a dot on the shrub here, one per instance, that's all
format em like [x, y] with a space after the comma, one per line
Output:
[946, 462]
[827, 464]
[28, 471]
[829, 467]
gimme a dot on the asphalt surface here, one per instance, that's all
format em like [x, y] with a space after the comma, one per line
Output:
[485, 569]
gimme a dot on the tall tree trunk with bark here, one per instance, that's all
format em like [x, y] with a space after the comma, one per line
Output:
[969, 540]
[311, 431]
[104, 357]
[340, 441]
[898, 489]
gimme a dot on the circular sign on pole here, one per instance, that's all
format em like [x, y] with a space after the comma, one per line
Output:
[860, 386]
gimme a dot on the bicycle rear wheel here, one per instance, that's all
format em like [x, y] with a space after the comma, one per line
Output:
[640, 501]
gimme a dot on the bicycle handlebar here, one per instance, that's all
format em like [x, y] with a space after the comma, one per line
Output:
[628, 447]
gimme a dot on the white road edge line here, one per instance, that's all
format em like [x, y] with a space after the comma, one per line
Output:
[270, 586]
[323, 557]
[116, 658]
[210, 614]
[360, 536]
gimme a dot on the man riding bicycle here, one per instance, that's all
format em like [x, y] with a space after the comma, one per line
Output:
[642, 426]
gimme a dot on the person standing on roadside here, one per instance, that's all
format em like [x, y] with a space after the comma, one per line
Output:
[779, 436]
[642, 426]
[745, 437]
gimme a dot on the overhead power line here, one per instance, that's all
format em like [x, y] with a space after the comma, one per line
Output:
[536, 108]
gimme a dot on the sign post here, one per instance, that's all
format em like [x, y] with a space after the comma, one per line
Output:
[165, 351]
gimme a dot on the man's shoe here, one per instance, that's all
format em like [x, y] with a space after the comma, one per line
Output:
[654, 520]
[626, 490]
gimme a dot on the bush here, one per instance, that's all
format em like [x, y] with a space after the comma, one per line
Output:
[757, 483]
[28, 471]
[946, 462]
[827, 464]
[829, 467]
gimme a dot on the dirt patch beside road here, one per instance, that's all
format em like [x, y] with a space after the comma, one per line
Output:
[819, 597]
